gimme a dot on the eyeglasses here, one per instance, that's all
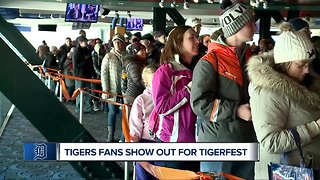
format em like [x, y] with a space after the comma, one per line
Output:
[302, 66]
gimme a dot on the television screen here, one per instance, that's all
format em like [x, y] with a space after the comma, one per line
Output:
[134, 24]
[77, 12]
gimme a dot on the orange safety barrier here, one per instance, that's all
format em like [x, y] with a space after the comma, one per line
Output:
[124, 118]
[156, 171]
[56, 76]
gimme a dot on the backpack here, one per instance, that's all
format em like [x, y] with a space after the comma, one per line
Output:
[124, 78]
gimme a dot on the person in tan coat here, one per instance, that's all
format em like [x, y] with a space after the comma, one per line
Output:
[280, 100]
[111, 67]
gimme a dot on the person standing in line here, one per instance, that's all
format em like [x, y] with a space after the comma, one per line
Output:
[83, 68]
[160, 38]
[171, 93]
[68, 70]
[139, 118]
[64, 50]
[301, 25]
[97, 56]
[153, 54]
[278, 86]
[42, 50]
[111, 67]
[133, 66]
[219, 94]
[196, 24]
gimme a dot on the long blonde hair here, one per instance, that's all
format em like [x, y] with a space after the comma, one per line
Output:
[148, 71]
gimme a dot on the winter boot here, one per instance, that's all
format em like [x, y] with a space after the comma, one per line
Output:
[110, 134]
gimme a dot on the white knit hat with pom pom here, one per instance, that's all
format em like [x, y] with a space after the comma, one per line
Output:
[292, 45]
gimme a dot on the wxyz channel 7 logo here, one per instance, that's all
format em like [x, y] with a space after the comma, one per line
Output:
[40, 151]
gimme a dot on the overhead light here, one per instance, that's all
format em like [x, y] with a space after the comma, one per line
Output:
[129, 14]
[185, 4]
[210, 1]
[173, 4]
[195, 1]
[161, 3]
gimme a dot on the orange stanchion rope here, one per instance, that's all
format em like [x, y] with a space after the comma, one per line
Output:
[56, 76]
[124, 118]
[125, 124]
[111, 94]
[77, 78]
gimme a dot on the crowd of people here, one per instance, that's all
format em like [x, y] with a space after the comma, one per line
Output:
[187, 87]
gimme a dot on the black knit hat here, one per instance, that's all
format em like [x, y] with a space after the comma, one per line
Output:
[298, 23]
[81, 39]
[147, 37]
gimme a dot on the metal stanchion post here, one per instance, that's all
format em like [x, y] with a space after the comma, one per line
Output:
[126, 164]
[134, 170]
[81, 107]
[60, 93]
[49, 82]
[126, 170]
[57, 88]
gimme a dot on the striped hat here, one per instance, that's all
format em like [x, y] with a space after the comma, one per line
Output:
[234, 18]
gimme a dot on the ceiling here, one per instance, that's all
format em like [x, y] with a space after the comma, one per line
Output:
[144, 8]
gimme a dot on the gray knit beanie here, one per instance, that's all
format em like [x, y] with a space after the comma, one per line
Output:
[234, 17]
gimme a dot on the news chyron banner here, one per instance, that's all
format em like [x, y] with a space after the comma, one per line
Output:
[40, 151]
[142, 151]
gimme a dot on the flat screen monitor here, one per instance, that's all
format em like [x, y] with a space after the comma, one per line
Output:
[134, 24]
[76, 12]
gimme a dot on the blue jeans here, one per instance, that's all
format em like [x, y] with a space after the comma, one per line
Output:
[243, 169]
[86, 98]
[112, 114]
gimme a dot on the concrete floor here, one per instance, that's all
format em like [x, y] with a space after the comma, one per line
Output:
[19, 131]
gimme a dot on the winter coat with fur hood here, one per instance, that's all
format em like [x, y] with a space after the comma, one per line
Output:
[277, 104]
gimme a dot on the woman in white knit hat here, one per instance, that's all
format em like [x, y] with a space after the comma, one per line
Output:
[281, 100]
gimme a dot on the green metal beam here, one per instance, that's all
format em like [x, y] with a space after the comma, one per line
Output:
[175, 16]
[20, 42]
[159, 19]
[42, 108]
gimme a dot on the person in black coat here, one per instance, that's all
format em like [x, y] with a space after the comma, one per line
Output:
[64, 49]
[83, 67]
